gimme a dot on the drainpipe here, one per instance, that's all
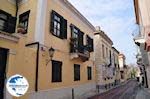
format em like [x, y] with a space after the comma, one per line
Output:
[37, 63]
[145, 73]
[16, 8]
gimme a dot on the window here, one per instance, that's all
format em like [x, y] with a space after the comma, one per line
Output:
[76, 72]
[90, 44]
[24, 20]
[122, 75]
[56, 71]
[7, 22]
[75, 35]
[103, 52]
[89, 73]
[110, 56]
[3, 20]
[58, 25]
[106, 51]
[77, 39]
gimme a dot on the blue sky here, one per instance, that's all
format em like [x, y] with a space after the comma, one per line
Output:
[116, 18]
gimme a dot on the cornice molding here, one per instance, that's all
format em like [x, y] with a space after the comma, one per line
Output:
[75, 11]
[103, 35]
[115, 50]
[9, 37]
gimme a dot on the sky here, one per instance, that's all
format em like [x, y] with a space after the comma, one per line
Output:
[116, 18]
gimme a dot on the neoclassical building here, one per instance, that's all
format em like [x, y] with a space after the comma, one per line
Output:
[104, 60]
[50, 43]
[142, 38]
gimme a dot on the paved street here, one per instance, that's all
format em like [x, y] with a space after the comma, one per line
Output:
[126, 91]
[143, 94]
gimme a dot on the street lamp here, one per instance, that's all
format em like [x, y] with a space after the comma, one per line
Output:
[51, 54]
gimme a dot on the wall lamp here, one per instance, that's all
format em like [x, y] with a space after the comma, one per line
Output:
[51, 54]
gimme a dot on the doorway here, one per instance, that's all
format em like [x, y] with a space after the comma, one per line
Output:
[3, 61]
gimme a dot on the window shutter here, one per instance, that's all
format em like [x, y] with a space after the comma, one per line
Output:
[61, 27]
[90, 43]
[11, 24]
[64, 29]
[92, 47]
[52, 22]
[56, 71]
[89, 73]
[71, 27]
[76, 72]
[80, 41]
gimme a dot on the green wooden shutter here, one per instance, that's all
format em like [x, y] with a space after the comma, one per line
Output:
[52, 21]
[56, 71]
[71, 28]
[80, 41]
[76, 72]
[89, 43]
[64, 29]
[11, 24]
[89, 73]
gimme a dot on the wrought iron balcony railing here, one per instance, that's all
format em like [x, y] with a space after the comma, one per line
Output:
[80, 50]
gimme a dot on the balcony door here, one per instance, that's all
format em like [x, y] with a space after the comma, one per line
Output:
[3, 60]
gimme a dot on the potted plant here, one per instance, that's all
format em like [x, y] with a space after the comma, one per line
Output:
[73, 39]
[21, 29]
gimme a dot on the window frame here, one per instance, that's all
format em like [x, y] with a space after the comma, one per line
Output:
[58, 22]
[89, 73]
[25, 14]
[90, 43]
[5, 20]
[61, 23]
[103, 50]
[56, 65]
[77, 72]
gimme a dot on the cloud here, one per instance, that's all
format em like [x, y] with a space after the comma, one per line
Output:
[116, 18]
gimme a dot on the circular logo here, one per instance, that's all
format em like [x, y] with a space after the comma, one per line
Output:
[17, 85]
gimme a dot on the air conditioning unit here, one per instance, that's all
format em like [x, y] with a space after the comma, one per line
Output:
[19, 1]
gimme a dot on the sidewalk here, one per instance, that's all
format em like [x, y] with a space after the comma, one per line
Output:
[143, 94]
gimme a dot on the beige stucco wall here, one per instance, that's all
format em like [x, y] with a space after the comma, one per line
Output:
[101, 61]
[144, 23]
[22, 60]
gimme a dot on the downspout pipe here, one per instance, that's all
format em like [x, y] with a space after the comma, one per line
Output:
[37, 63]
[145, 73]
[16, 8]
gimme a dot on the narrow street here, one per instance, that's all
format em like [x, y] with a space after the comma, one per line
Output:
[126, 91]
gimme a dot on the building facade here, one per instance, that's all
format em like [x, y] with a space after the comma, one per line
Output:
[123, 67]
[116, 64]
[48, 46]
[105, 69]
[142, 12]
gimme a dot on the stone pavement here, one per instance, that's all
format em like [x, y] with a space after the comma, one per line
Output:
[143, 94]
[125, 91]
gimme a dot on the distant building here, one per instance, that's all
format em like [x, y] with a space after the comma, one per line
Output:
[142, 38]
[123, 67]
[104, 61]
[116, 64]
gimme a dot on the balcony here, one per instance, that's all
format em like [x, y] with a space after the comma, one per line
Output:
[139, 39]
[139, 35]
[78, 51]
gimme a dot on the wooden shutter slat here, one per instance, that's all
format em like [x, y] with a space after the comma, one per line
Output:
[52, 21]
[80, 41]
[11, 24]
[64, 30]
